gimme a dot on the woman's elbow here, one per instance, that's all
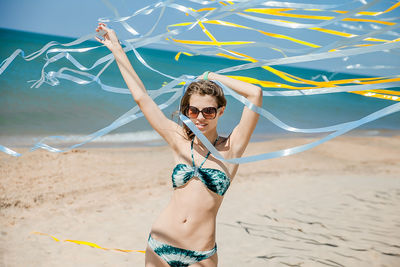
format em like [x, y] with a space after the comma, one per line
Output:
[257, 95]
[258, 92]
[139, 97]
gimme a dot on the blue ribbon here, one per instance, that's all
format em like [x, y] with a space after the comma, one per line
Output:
[293, 150]
[223, 11]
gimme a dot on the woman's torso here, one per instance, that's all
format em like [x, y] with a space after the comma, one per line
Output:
[189, 219]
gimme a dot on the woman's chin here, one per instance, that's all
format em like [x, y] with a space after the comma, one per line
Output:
[203, 131]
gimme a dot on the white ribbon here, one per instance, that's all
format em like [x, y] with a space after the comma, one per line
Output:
[306, 55]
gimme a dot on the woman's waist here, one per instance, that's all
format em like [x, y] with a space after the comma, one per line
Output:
[186, 219]
[184, 229]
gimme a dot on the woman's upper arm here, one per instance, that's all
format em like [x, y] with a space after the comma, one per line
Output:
[168, 129]
[240, 136]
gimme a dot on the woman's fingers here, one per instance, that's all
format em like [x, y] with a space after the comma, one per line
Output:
[107, 36]
[99, 40]
[201, 76]
[103, 31]
[103, 26]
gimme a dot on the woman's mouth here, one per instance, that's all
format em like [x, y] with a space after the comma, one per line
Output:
[201, 126]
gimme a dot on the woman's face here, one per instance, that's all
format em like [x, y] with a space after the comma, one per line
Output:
[201, 102]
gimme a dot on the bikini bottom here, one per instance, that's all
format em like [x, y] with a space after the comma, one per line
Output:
[179, 257]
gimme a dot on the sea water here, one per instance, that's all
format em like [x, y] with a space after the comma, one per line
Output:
[74, 111]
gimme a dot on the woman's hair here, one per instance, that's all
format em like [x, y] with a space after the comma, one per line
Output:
[201, 87]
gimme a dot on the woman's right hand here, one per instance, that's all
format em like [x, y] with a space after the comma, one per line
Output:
[110, 37]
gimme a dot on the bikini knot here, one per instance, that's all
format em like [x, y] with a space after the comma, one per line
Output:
[196, 171]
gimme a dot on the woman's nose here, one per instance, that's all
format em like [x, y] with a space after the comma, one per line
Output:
[200, 116]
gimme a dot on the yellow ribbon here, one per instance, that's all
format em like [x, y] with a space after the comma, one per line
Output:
[382, 94]
[279, 12]
[93, 245]
[306, 83]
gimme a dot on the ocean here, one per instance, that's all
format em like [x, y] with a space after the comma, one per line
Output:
[74, 111]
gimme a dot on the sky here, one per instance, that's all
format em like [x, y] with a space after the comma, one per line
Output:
[72, 18]
[76, 18]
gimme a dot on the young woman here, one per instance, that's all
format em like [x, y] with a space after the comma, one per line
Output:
[184, 233]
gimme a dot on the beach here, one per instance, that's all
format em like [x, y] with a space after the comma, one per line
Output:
[335, 205]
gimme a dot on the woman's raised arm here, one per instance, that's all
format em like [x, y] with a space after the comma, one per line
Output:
[167, 128]
[240, 136]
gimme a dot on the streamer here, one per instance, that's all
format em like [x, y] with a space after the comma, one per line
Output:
[90, 244]
[331, 20]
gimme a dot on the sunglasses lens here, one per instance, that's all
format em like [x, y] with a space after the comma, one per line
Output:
[193, 112]
[209, 113]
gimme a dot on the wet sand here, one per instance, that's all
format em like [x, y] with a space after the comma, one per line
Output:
[335, 205]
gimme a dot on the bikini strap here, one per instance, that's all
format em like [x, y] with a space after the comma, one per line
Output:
[191, 149]
[206, 157]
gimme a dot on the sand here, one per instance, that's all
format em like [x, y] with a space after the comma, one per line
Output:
[335, 205]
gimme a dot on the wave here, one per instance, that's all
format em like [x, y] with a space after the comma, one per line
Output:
[118, 138]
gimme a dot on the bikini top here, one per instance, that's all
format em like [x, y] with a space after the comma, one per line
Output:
[215, 180]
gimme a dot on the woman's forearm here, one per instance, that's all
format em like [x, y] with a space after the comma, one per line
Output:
[248, 90]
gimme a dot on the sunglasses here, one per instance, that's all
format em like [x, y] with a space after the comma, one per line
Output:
[209, 113]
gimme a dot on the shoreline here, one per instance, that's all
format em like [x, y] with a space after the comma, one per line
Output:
[11, 141]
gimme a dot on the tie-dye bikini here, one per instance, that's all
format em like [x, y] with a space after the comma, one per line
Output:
[216, 181]
[179, 257]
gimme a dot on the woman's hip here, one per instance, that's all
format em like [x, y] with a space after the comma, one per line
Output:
[178, 256]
